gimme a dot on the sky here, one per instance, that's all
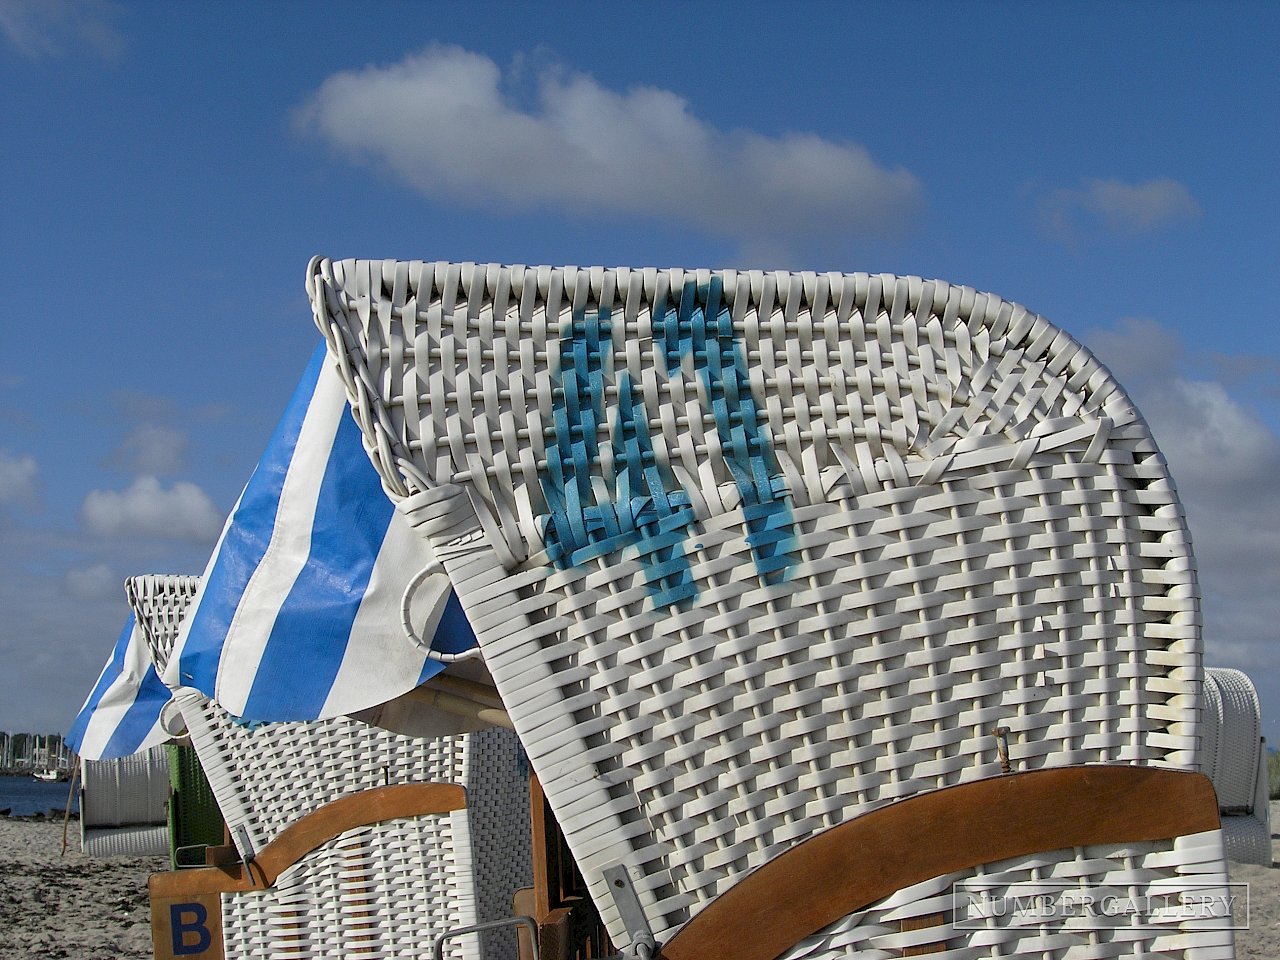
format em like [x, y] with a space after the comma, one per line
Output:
[167, 171]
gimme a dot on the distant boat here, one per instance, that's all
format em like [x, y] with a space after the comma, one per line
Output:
[50, 776]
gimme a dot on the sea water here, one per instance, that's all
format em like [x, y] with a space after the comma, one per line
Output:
[25, 795]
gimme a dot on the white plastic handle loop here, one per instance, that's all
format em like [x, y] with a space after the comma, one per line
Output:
[432, 569]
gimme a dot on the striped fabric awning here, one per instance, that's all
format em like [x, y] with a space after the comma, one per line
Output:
[298, 616]
[122, 713]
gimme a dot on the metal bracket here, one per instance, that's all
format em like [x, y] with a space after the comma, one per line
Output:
[244, 842]
[177, 856]
[489, 925]
[630, 912]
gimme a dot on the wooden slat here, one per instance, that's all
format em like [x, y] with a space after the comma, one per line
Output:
[908, 924]
[864, 860]
[543, 858]
[309, 833]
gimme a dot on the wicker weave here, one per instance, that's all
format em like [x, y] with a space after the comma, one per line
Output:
[124, 804]
[159, 602]
[1235, 759]
[750, 554]
[267, 776]
[1233, 736]
[373, 892]
[923, 914]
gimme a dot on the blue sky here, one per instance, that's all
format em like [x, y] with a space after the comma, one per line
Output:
[167, 170]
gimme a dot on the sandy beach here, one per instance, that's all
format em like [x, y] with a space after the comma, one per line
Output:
[75, 907]
[70, 907]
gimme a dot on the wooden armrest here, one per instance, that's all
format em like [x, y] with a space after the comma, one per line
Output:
[856, 863]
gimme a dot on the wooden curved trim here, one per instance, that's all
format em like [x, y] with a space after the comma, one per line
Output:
[311, 832]
[864, 860]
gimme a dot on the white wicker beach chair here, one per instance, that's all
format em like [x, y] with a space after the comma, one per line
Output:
[378, 864]
[773, 569]
[123, 805]
[1235, 759]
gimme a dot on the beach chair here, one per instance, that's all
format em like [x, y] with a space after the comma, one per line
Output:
[822, 603]
[123, 805]
[1235, 757]
[350, 839]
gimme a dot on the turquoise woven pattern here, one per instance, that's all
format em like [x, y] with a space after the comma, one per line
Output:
[750, 554]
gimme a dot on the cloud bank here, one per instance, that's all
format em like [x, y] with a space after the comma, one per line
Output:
[146, 508]
[151, 449]
[1124, 209]
[94, 583]
[19, 476]
[50, 28]
[444, 122]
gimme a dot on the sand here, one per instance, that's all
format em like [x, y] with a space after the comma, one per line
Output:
[1261, 941]
[80, 908]
[73, 907]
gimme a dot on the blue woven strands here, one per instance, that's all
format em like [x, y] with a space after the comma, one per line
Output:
[640, 506]
[700, 328]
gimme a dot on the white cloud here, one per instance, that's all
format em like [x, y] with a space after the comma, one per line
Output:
[151, 449]
[182, 512]
[97, 582]
[1122, 208]
[48, 28]
[19, 476]
[442, 122]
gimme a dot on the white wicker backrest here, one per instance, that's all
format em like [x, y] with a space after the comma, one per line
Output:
[159, 603]
[1233, 716]
[382, 890]
[754, 553]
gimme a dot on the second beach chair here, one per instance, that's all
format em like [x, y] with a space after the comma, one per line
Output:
[352, 840]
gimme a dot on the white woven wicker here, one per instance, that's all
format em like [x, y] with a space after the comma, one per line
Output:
[1138, 874]
[373, 892]
[1233, 713]
[267, 776]
[160, 602]
[1235, 759]
[750, 554]
[124, 805]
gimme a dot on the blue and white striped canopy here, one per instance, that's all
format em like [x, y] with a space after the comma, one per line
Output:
[122, 714]
[298, 616]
